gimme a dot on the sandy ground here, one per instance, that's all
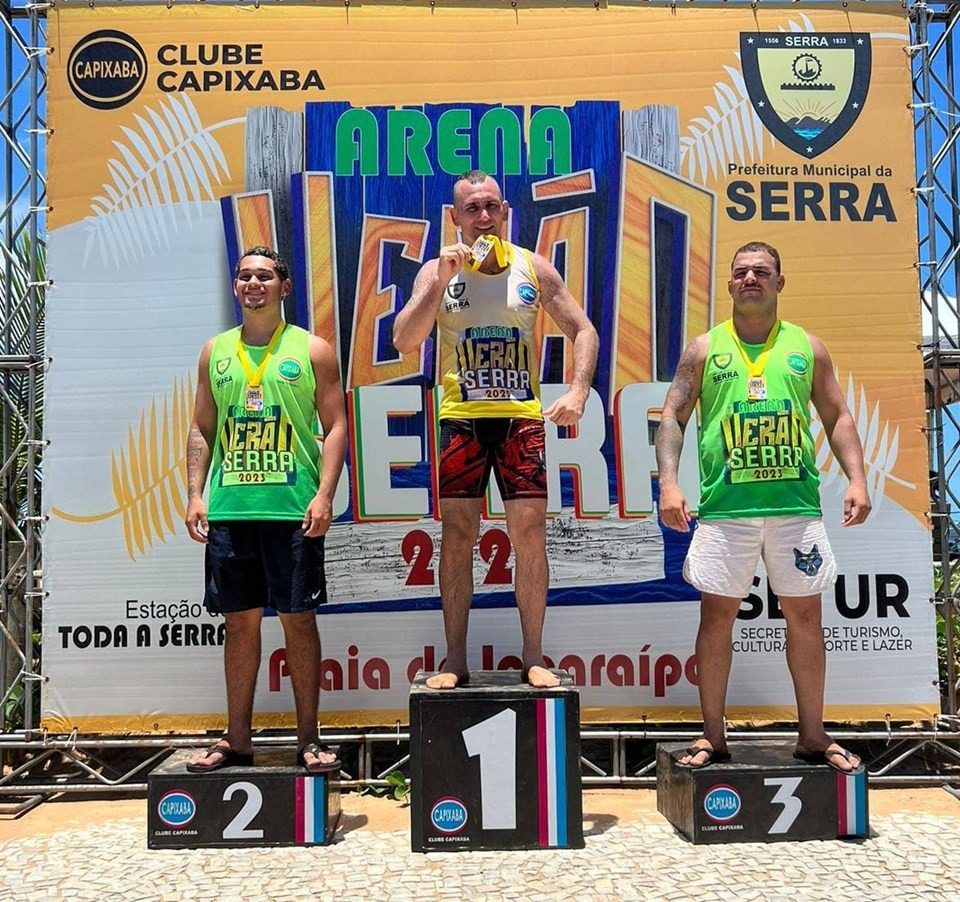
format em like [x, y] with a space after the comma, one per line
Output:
[601, 807]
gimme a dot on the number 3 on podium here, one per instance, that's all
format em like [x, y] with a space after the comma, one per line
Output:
[792, 806]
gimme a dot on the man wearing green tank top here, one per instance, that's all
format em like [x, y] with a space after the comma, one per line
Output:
[754, 377]
[261, 388]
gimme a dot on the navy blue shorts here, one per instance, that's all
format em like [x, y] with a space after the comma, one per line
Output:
[263, 563]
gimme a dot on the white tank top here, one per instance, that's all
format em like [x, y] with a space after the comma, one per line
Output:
[489, 364]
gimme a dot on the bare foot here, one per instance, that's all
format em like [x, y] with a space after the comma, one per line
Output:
[541, 678]
[446, 679]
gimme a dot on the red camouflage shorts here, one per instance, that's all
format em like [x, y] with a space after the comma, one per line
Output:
[512, 447]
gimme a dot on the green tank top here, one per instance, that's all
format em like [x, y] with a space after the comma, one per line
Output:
[265, 462]
[757, 456]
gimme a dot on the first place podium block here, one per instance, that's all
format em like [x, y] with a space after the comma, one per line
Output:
[272, 803]
[495, 765]
[762, 794]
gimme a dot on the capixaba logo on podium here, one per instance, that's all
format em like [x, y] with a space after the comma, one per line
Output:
[807, 88]
[177, 808]
[107, 69]
[721, 803]
[449, 815]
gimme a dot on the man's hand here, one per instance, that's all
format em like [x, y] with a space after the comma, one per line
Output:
[196, 519]
[673, 508]
[452, 259]
[567, 409]
[856, 505]
[319, 516]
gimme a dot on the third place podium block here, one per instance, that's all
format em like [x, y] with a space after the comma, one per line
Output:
[495, 764]
[762, 794]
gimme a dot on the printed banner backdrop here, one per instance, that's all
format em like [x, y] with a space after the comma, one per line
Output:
[638, 148]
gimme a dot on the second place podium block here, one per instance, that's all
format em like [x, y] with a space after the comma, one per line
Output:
[495, 765]
[271, 804]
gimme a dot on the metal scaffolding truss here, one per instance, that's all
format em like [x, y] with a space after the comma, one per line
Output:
[937, 120]
[21, 357]
[34, 764]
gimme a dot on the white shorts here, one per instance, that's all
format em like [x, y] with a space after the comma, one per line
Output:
[796, 553]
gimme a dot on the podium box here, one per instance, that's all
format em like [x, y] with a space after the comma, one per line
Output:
[762, 794]
[272, 803]
[495, 765]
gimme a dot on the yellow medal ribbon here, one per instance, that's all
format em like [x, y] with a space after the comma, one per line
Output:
[484, 246]
[255, 375]
[755, 367]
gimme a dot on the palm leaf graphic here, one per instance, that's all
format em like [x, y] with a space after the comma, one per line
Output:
[729, 131]
[880, 447]
[149, 473]
[165, 168]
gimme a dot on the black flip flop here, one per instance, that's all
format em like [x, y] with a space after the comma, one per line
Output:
[229, 758]
[317, 748]
[824, 755]
[713, 757]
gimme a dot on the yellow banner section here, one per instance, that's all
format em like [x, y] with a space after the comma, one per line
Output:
[638, 149]
[843, 220]
[737, 716]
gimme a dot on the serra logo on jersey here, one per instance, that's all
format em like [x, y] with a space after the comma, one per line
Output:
[224, 377]
[455, 300]
[722, 362]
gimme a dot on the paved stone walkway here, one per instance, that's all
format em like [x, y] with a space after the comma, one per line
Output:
[909, 857]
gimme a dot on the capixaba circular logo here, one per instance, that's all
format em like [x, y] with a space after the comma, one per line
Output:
[177, 808]
[290, 369]
[107, 69]
[797, 363]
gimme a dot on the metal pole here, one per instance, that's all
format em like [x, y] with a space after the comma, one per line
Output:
[952, 18]
[7, 229]
[31, 533]
[930, 281]
[950, 609]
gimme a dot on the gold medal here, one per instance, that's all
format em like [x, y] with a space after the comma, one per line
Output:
[483, 247]
[756, 384]
[253, 399]
[481, 250]
[253, 395]
[757, 389]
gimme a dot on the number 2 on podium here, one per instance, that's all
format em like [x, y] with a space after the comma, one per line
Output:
[239, 827]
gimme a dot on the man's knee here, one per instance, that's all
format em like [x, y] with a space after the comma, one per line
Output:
[241, 624]
[460, 532]
[301, 622]
[527, 521]
[718, 612]
[802, 614]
